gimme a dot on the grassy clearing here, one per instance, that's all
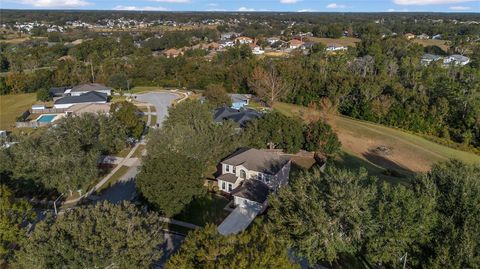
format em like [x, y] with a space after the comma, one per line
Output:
[124, 152]
[141, 89]
[114, 178]
[153, 120]
[12, 106]
[443, 44]
[138, 151]
[303, 162]
[118, 98]
[409, 153]
[203, 210]
[344, 41]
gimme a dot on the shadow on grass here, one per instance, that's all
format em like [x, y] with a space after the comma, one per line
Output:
[350, 161]
[205, 209]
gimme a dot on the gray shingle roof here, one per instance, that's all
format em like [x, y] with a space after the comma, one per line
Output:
[228, 177]
[241, 116]
[90, 87]
[258, 160]
[253, 190]
[88, 97]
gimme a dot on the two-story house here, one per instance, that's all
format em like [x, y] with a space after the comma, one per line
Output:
[249, 175]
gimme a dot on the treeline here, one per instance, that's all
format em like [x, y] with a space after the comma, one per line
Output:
[381, 80]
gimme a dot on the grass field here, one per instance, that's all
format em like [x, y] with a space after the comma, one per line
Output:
[433, 42]
[344, 41]
[141, 89]
[407, 153]
[12, 106]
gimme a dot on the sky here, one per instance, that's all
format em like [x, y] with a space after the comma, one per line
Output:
[253, 5]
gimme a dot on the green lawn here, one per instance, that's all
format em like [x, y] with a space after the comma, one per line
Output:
[153, 120]
[140, 89]
[124, 152]
[409, 153]
[138, 151]
[203, 210]
[12, 106]
[114, 178]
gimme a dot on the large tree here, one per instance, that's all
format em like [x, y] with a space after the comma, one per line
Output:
[217, 96]
[128, 114]
[254, 248]
[275, 130]
[14, 214]
[180, 153]
[456, 235]
[97, 236]
[268, 84]
[65, 157]
[320, 137]
[324, 215]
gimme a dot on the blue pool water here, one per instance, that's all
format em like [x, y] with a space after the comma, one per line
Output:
[46, 118]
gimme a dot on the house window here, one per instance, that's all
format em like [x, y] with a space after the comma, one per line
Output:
[229, 187]
[227, 168]
[234, 169]
[243, 174]
[223, 185]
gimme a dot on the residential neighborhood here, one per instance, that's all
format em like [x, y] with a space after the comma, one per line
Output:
[239, 134]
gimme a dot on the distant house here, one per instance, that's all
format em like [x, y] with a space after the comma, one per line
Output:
[307, 45]
[226, 44]
[409, 36]
[295, 44]
[423, 36]
[172, 53]
[272, 40]
[89, 97]
[429, 58]
[239, 116]
[243, 40]
[38, 107]
[249, 176]
[456, 59]
[85, 88]
[57, 91]
[239, 100]
[438, 36]
[229, 35]
[258, 50]
[335, 47]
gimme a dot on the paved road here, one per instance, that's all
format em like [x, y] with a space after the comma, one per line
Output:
[161, 100]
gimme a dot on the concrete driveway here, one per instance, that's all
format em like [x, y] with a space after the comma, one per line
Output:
[238, 220]
[161, 100]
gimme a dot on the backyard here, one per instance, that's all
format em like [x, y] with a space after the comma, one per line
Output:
[378, 147]
[205, 209]
[12, 106]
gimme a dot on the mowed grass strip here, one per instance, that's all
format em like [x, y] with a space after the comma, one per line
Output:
[409, 153]
[114, 178]
[12, 106]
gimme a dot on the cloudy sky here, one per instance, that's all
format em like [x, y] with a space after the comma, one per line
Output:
[253, 5]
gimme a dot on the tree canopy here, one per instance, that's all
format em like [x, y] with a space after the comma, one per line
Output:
[254, 248]
[98, 236]
[128, 114]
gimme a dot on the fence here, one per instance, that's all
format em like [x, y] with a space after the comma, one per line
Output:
[31, 124]
[49, 110]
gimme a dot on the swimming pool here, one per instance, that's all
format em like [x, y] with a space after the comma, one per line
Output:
[46, 118]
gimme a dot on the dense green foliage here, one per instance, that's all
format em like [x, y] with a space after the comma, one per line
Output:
[320, 137]
[254, 248]
[65, 157]
[180, 153]
[382, 80]
[129, 115]
[217, 96]
[43, 95]
[291, 134]
[277, 131]
[432, 219]
[100, 236]
[14, 213]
